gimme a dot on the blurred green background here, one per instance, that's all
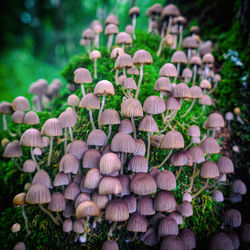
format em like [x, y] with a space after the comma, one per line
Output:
[37, 38]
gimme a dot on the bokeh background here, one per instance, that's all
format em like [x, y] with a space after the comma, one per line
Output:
[37, 38]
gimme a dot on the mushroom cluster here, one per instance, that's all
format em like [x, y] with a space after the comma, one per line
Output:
[112, 175]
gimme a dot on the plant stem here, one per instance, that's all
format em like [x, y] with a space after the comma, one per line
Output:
[59, 217]
[50, 149]
[139, 83]
[16, 164]
[34, 159]
[91, 119]
[188, 146]
[194, 73]
[179, 172]
[49, 214]
[166, 158]
[100, 111]
[203, 188]
[134, 237]
[192, 178]
[213, 89]
[189, 109]
[110, 233]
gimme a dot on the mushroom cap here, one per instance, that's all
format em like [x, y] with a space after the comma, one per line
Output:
[187, 72]
[221, 241]
[20, 246]
[180, 20]
[165, 202]
[57, 203]
[133, 71]
[130, 29]
[123, 142]
[100, 200]
[205, 84]
[77, 148]
[165, 180]
[225, 165]
[181, 91]
[196, 92]
[97, 138]
[87, 208]
[190, 43]
[131, 107]
[29, 166]
[90, 101]
[88, 34]
[168, 70]
[103, 88]
[172, 139]
[110, 245]
[5, 108]
[112, 19]
[31, 118]
[92, 179]
[116, 52]
[154, 105]
[121, 80]
[173, 243]
[91, 159]
[137, 223]
[181, 158]
[67, 119]
[232, 217]
[143, 184]
[129, 83]
[110, 117]
[170, 10]
[69, 164]
[150, 238]
[61, 179]
[19, 199]
[145, 206]
[20, 103]
[110, 163]
[17, 117]
[52, 127]
[95, 54]
[229, 116]
[15, 228]
[209, 170]
[239, 187]
[78, 226]
[82, 75]
[39, 87]
[125, 182]
[195, 60]
[148, 124]
[217, 78]
[173, 103]
[142, 57]
[38, 194]
[123, 60]
[110, 185]
[205, 100]
[197, 154]
[134, 11]
[245, 233]
[111, 29]
[123, 38]
[163, 84]
[126, 126]
[218, 196]
[157, 9]
[71, 191]
[117, 210]
[67, 225]
[140, 147]
[208, 58]
[138, 164]
[185, 209]
[194, 131]
[96, 26]
[210, 146]
[167, 227]
[42, 177]
[215, 120]
[188, 238]
[13, 149]
[73, 100]
[179, 57]
[32, 138]
[130, 200]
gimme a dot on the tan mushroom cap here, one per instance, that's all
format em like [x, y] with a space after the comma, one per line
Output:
[78, 226]
[111, 29]
[131, 108]
[181, 158]
[179, 20]
[129, 83]
[130, 29]
[167, 227]
[142, 57]
[185, 209]
[126, 126]
[91, 159]
[170, 10]
[194, 131]
[32, 138]
[165, 180]
[104, 87]
[57, 203]
[116, 210]
[188, 73]
[130, 200]
[215, 120]
[71, 191]
[90, 101]
[123, 142]
[154, 105]
[52, 127]
[67, 119]
[88, 34]
[100, 200]
[20, 103]
[110, 163]
[190, 43]
[82, 75]
[95, 54]
[179, 57]
[73, 100]
[13, 149]
[196, 92]
[17, 117]
[123, 61]
[42, 177]
[208, 58]
[29, 166]
[87, 208]
[97, 138]
[69, 164]
[209, 170]
[123, 38]
[92, 178]
[205, 84]
[61, 179]
[19, 199]
[112, 19]
[225, 165]
[38, 194]
[110, 117]
[77, 148]
[205, 100]
[39, 87]
[110, 245]
[197, 154]
[137, 223]
[195, 60]
[31, 118]
[116, 52]
[134, 11]
[5, 108]
[148, 124]
[138, 164]
[181, 91]
[67, 225]
[165, 202]
[172, 139]
[109, 185]
[210, 146]
[96, 27]
[168, 70]
[163, 84]
[173, 103]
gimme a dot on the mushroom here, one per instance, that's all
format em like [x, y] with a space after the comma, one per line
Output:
[31, 118]
[88, 35]
[51, 128]
[94, 55]
[5, 108]
[190, 44]
[187, 74]
[97, 28]
[130, 30]
[134, 13]
[123, 39]
[216, 79]
[82, 76]
[123, 61]
[180, 21]
[229, 116]
[196, 62]
[221, 241]
[110, 31]
[141, 57]
[110, 245]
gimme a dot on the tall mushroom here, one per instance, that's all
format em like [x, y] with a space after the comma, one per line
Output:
[134, 12]
[110, 31]
[82, 76]
[5, 108]
[94, 55]
[123, 39]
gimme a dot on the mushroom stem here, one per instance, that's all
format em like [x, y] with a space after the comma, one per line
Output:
[39, 104]
[124, 72]
[139, 83]
[83, 89]
[166, 158]
[163, 29]
[91, 119]
[178, 72]
[189, 145]
[168, 121]
[71, 134]
[213, 89]
[134, 127]
[100, 111]
[134, 21]
[203, 188]
[17, 165]
[34, 159]
[179, 172]
[181, 36]
[194, 73]
[110, 131]
[5, 124]
[189, 109]
[50, 149]
[192, 178]
[26, 223]
[160, 47]
[148, 149]
[214, 131]
[49, 214]
[110, 197]
[59, 217]
[85, 225]
[110, 233]
[97, 40]
[19, 131]
[110, 41]
[169, 23]
[189, 54]
[65, 140]
[95, 68]
[116, 76]
[122, 159]
[134, 237]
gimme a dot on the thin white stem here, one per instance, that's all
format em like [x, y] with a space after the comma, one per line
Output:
[191, 106]
[71, 134]
[49, 214]
[192, 178]
[134, 127]
[110, 131]
[5, 124]
[65, 140]
[100, 111]
[83, 90]
[139, 83]
[95, 68]
[26, 223]
[50, 150]
[148, 149]
[122, 159]
[160, 47]
[34, 159]
[91, 119]
[110, 41]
